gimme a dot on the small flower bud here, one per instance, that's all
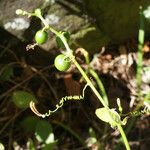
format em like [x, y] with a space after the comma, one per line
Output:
[38, 12]
[19, 12]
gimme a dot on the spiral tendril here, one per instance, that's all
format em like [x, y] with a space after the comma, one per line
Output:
[59, 105]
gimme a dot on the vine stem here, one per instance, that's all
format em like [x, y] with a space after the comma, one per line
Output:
[100, 84]
[83, 73]
[141, 35]
[94, 75]
[123, 137]
[90, 83]
[47, 25]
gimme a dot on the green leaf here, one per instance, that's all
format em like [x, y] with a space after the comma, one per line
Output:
[6, 73]
[108, 115]
[44, 132]
[22, 99]
[29, 124]
[59, 42]
[103, 114]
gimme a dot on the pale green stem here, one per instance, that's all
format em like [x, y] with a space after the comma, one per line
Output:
[96, 77]
[140, 53]
[123, 137]
[86, 55]
[100, 84]
[141, 35]
[47, 26]
[83, 73]
[90, 83]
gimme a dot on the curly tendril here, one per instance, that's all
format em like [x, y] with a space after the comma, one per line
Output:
[59, 105]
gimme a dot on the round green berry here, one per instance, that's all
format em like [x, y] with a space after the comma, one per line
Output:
[62, 63]
[41, 37]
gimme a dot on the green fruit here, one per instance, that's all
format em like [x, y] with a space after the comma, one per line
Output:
[22, 99]
[41, 37]
[59, 41]
[62, 63]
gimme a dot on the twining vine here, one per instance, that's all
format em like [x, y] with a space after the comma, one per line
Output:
[59, 105]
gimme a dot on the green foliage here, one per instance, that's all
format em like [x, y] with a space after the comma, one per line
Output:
[29, 124]
[108, 115]
[44, 133]
[22, 99]
[66, 36]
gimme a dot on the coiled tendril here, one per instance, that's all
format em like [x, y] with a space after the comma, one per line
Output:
[59, 105]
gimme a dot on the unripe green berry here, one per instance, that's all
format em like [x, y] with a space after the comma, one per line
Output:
[62, 63]
[41, 37]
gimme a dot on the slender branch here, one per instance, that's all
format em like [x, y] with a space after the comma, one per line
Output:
[100, 84]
